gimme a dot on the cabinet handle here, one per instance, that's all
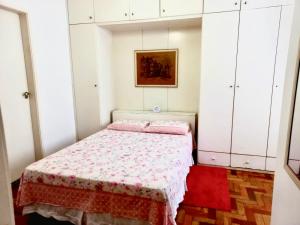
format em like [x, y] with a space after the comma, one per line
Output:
[164, 10]
[126, 14]
[245, 2]
[238, 86]
[95, 85]
[90, 17]
[231, 86]
[235, 3]
[213, 158]
[247, 163]
[132, 14]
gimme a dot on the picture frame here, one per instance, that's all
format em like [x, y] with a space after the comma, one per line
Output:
[156, 68]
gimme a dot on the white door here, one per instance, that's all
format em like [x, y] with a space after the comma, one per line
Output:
[255, 4]
[254, 79]
[180, 7]
[144, 9]
[81, 11]
[219, 51]
[112, 10]
[85, 78]
[279, 77]
[15, 108]
[221, 5]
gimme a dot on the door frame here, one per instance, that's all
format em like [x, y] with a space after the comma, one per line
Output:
[7, 206]
[30, 75]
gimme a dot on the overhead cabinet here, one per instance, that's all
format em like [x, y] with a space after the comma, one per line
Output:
[81, 11]
[211, 6]
[256, 4]
[103, 11]
[180, 7]
[113, 10]
[237, 73]
[122, 10]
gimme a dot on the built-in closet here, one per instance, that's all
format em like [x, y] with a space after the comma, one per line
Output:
[244, 45]
[244, 53]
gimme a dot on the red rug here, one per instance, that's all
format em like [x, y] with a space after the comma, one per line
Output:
[208, 187]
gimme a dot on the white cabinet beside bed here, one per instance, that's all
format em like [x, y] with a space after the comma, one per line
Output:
[241, 78]
[85, 79]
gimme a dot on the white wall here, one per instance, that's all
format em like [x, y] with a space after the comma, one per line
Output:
[286, 195]
[183, 98]
[48, 26]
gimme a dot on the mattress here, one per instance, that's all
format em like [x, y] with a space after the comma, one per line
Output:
[126, 175]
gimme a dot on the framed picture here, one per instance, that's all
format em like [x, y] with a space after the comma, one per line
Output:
[156, 68]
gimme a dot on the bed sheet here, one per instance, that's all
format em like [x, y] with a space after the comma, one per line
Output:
[125, 174]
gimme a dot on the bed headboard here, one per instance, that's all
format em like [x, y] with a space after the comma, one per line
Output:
[151, 116]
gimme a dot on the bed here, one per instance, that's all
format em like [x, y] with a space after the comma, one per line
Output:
[113, 177]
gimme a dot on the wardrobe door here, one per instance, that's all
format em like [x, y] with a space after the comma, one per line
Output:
[180, 7]
[81, 11]
[85, 78]
[281, 62]
[112, 10]
[219, 50]
[254, 79]
[144, 9]
[221, 5]
[255, 4]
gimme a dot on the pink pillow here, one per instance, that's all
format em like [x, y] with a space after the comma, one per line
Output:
[128, 125]
[168, 127]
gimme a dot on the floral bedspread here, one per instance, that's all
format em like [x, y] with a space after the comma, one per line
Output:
[146, 167]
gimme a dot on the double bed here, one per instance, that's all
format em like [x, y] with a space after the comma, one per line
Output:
[113, 177]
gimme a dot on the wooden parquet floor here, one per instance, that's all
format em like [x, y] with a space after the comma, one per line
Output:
[251, 203]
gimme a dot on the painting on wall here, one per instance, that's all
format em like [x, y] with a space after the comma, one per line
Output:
[156, 68]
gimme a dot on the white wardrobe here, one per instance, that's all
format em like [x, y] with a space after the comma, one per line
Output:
[244, 53]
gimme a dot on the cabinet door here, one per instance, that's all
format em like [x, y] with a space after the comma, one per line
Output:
[85, 78]
[279, 77]
[221, 5]
[255, 4]
[112, 10]
[144, 9]
[180, 7]
[81, 11]
[254, 80]
[219, 50]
